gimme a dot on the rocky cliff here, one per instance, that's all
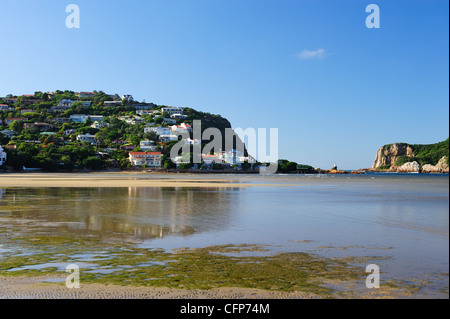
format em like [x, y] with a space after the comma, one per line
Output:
[389, 154]
[402, 157]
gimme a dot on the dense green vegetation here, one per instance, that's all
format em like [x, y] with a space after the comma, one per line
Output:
[431, 154]
[285, 166]
[425, 154]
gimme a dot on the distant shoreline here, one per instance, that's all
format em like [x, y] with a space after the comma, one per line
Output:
[217, 172]
[126, 180]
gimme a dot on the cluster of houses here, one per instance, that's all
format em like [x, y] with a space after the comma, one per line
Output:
[168, 134]
[230, 158]
[46, 127]
[148, 155]
[149, 158]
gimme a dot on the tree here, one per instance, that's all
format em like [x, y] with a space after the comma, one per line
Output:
[3, 139]
[67, 162]
[286, 166]
[167, 162]
[48, 164]
[185, 165]
[87, 130]
[246, 166]
[93, 163]
[15, 159]
[16, 126]
[135, 140]
[151, 136]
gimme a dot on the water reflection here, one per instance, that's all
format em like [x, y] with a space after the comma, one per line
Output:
[139, 213]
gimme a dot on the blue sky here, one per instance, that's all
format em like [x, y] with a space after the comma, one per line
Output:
[335, 89]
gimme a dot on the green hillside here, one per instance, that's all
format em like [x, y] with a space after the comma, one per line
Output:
[426, 153]
[55, 146]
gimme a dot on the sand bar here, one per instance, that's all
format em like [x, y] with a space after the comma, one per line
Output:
[116, 180]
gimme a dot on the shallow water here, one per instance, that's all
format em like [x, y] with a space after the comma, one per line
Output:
[403, 217]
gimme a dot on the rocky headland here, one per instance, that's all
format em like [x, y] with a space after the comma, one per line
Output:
[413, 158]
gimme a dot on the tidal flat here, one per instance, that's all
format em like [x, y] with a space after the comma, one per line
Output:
[280, 237]
[205, 268]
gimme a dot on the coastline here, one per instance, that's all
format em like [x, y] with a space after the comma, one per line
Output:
[140, 179]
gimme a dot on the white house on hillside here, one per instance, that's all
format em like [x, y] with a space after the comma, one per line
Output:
[147, 146]
[8, 133]
[178, 116]
[152, 159]
[169, 121]
[86, 138]
[85, 94]
[145, 112]
[211, 159]
[168, 138]
[99, 125]
[66, 103]
[190, 141]
[112, 103]
[79, 118]
[172, 110]
[144, 106]
[183, 128]
[158, 130]
[96, 118]
[70, 131]
[128, 97]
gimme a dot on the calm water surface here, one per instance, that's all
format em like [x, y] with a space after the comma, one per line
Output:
[402, 217]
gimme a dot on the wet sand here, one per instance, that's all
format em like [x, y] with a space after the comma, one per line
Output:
[37, 288]
[112, 180]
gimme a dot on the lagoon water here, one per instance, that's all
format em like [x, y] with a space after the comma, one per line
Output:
[402, 218]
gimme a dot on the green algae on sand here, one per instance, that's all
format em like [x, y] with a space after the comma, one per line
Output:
[202, 268]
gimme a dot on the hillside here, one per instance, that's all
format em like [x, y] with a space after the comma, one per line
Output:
[43, 130]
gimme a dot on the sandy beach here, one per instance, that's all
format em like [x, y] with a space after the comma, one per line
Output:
[112, 180]
[38, 288]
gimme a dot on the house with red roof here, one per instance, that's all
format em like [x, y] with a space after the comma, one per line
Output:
[5, 107]
[211, 159]
[10, 99]
[183, 128]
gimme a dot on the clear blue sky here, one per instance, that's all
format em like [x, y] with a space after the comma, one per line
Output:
[352, 90]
